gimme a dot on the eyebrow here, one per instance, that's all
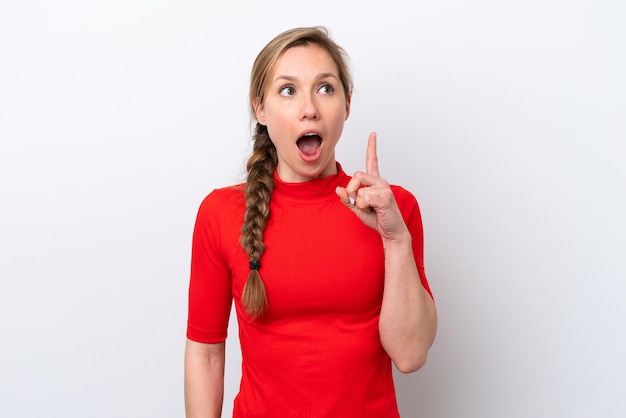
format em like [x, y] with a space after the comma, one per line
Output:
[320, 76]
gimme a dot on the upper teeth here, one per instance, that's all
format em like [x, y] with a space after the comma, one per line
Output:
[310, 134]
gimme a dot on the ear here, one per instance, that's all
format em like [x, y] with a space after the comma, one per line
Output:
[348, 99]
[259, 112]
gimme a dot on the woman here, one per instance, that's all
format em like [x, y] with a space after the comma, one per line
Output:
[326, 270]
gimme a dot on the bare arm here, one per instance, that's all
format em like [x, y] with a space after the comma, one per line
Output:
[204, 379]
[408, 318]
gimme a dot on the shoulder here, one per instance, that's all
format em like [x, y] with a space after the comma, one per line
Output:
[223, 195]
[403, 196]
[223, 201]
[407, 203]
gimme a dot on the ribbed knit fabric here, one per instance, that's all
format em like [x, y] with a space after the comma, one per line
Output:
[317, 351]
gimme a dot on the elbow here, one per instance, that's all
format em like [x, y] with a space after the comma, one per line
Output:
[410, 364]
[409, 357]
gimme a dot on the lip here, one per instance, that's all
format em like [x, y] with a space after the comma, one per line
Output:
[318, 153]
[310, 131]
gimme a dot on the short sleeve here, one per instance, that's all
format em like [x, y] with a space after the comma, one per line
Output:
[412, 216]
[210, 284]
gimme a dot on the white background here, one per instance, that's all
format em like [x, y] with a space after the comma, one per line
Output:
[506, 119]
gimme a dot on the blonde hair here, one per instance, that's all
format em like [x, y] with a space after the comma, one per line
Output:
[264, 159]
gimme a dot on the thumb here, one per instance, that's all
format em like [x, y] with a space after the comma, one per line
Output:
[344, 197]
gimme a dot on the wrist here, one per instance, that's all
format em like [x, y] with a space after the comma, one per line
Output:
[400, 240]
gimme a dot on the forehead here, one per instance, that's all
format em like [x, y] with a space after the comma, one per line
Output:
[303, 61]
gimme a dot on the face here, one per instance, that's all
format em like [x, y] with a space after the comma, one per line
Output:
[304, 110]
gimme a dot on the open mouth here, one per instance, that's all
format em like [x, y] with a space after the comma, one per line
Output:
[309, 144]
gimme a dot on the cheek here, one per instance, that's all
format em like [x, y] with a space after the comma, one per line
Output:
[277, 118]
[340, 117]
[278, 135]
[279, 125]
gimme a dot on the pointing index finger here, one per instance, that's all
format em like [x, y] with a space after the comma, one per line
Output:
[371, 158]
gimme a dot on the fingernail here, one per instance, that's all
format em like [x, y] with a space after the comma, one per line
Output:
[351, 200]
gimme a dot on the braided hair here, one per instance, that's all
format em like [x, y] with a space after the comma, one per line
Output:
[257, 192]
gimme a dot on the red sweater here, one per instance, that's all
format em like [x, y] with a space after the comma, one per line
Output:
[317, 351]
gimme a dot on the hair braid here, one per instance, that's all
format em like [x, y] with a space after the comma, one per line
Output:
[257, 192]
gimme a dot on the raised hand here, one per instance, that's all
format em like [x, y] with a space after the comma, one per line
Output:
[371, 199]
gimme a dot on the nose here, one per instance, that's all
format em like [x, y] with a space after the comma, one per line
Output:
[309, 108]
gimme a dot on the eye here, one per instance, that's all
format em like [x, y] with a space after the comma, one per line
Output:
[326, 89]
[287, 91]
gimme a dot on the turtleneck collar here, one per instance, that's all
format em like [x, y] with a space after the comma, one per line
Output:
[312, 191]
